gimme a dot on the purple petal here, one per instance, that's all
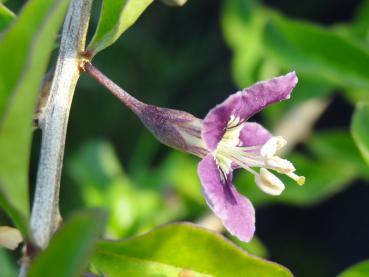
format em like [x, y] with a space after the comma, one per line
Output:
[254, 134]
[235, 211]
[245, 104]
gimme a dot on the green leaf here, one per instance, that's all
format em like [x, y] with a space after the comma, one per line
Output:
[355, 95]
[24, 53]
[358, 270]
[179, 247]
[254, 247]
[243, 23]
[360, 26]
[115, 265]
[337, 145]
[187, 182]
[317, 51]
[103, 183]
[360, 129]
[68, 252]
[18, 218]
[8, 267]
[6, 16]
[115, 18]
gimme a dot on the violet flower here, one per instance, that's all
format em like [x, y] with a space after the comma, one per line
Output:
[224, 141]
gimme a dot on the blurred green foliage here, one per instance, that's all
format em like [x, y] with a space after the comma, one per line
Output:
[103, 183]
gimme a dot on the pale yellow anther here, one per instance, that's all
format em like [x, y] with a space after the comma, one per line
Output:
[270, 148]
[269, 183]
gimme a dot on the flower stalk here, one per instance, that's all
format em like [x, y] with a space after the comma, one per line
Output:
[131, 102]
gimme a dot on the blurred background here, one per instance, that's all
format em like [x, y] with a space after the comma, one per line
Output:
[192, 58]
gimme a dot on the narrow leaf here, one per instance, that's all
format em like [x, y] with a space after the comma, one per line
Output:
[115, 18]
[360, 24]
[180, 246]
[24, 53]
[358, 270]
[360, 129]
[6, 16]
[69, 250]
[338, 145]
[318, 51]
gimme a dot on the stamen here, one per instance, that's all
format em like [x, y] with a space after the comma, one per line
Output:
[272, 146]
[269, 183]
[224, 167]
[280, 165]
[249, 148]
[263, 156]
[298, 179]
[240, 158]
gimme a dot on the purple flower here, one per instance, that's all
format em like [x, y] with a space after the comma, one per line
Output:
[226, 141]
[235, 143]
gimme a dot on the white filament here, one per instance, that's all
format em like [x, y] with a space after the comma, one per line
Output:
[263, 156]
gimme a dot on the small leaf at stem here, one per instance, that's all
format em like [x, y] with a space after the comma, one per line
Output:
[115, 18]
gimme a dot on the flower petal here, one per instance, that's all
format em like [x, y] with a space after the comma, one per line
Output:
[245, 104]
[254, 134]
[235, 211]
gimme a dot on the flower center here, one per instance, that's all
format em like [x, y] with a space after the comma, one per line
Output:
[230, 152]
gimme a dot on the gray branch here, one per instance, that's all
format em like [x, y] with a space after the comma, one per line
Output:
[45, 216]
